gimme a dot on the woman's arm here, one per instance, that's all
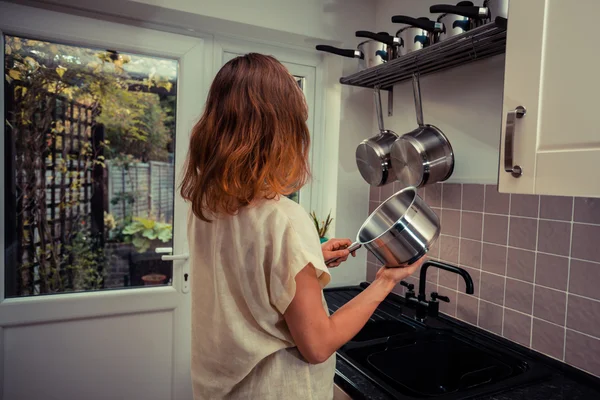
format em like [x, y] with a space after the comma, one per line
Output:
[318, 335]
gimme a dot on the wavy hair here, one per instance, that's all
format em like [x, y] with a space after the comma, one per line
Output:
[252, 141]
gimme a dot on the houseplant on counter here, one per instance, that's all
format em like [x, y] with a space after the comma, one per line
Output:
[144, 233]
[323, 226]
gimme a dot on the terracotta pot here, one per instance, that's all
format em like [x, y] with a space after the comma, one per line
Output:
[153, 279]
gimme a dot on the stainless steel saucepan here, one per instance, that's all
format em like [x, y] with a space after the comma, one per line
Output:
[424, 155]
[400, 231]
[459, 18]
[373, 154]
[393, 43]
[368, 53]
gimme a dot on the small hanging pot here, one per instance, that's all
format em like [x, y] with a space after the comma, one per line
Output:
[423, 156]
[373, 154]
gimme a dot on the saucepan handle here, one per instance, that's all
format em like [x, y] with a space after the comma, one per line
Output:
[353, 247]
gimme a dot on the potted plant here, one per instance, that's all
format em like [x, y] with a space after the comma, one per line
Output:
[323, 226]
[144, 233]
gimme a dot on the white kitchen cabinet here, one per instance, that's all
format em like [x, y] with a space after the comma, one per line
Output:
[551, 70]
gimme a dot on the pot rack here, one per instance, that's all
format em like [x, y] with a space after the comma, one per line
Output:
[477, 44]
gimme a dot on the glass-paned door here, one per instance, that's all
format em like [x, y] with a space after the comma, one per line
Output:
[95, 127]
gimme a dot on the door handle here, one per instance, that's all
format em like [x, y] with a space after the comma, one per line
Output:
[509, 141]
[175, 257]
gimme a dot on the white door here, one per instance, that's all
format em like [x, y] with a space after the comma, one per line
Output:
[551, 71]
[97, 123]
[305, 75]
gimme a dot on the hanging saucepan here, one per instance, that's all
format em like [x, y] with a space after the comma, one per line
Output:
[393, 43]
[373, 154]
[459, 18]
[496, 8]
[400, 231]
[430, 29]
[423, 156]
[368, 52]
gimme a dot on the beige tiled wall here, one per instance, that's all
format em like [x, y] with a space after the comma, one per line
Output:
[535, 262]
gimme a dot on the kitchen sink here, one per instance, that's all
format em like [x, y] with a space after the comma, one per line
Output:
[381, 329]
[410, 360]
[435, 364]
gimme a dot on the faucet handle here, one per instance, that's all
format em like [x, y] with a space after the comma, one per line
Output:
[407, 285]
[435, 297]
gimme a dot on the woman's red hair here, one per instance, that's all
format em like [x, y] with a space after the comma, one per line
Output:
[252, 141]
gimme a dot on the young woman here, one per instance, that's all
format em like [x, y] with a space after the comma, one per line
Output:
[260, 325]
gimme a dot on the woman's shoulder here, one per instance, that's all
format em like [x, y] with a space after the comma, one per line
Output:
[284, 211]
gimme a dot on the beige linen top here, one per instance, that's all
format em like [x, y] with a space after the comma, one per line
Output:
[243, 270]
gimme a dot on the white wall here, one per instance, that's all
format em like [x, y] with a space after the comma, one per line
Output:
[465, 102]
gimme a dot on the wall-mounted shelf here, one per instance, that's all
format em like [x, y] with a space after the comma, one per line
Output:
[482, 42]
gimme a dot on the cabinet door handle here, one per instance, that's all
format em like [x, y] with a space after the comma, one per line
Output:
[509, 141]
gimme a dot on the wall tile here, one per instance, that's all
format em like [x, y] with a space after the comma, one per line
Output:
[433, 195]
[495, 228]
[449, 249]
[470, 253]
[467, 308]
[494, 259]
[475, 276]
[524, 205]
[552, 271]
[492, 288]
[472, 197]
[371, 271]
[517, 327]
[585, 242]
[583, 352]
[374, 193]
[452, 195]
[421, 191]
[550, 305]
[523, 233]
[387, 191]
[585, 279]
[432, 275]
[448, 308]
[450, 222]
[505, 254]
[448, 279]
[548, 338]
[587, 210]
[490, 317]
[471, 225]
[434, 251]
[495, 202]
[372, 206]
[583, 315]
[520, 264]
[556, 207]
[554, 237]
[519, 295]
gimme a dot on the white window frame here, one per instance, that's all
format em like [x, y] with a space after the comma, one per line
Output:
[309, 65]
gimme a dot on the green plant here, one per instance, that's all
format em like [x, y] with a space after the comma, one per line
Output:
[86, 260]
[322, 227]
[142, 231]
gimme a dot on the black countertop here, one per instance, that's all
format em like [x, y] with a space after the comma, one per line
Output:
[564, 382]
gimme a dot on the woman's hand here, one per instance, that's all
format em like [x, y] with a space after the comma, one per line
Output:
[396, 274]
[336, 248]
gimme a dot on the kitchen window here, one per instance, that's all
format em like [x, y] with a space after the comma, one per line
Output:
[89, 161]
